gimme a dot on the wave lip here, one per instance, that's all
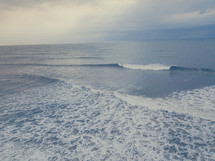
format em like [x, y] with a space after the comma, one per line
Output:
[156, 67]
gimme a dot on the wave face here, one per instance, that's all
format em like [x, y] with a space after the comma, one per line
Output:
[66, 122]
[177, 68]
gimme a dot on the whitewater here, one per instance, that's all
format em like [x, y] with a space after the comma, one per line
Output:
[65, 122]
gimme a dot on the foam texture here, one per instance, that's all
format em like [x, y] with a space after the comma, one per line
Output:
[65, 122]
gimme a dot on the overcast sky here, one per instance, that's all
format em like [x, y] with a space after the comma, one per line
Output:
[66, 21]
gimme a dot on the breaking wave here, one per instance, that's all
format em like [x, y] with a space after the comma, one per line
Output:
[145, 67]
[155, 67]
[160, 67]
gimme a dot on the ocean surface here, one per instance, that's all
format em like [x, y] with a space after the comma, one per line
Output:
[150, 100]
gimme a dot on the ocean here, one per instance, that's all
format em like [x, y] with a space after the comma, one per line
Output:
[149, 100]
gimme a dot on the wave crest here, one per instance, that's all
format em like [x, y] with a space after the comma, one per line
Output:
[146, 67]
[160, 67]
[156, 67]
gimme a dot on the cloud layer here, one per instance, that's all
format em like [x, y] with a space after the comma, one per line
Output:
[64, 21]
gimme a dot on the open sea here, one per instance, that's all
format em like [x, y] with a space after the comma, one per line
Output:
[117, 101]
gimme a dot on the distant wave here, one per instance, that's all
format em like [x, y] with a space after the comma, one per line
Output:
[156, 67]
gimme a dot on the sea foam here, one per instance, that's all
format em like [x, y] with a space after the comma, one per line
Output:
[65, 122]
[146, 67]
[197, 102]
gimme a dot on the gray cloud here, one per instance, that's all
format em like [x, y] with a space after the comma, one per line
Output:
[159, 13]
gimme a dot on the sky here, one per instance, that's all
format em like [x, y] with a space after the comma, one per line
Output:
[68, 21]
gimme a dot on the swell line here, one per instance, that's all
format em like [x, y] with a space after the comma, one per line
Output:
[155, 67]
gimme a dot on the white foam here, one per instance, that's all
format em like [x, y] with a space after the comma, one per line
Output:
[65, 122]
[146, 67]
[197, 102]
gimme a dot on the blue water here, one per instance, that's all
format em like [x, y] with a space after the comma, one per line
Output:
[151, 100]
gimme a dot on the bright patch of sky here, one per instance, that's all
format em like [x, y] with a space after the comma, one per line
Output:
[66, 21]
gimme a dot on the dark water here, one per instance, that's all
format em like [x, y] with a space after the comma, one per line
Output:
[108, 101]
